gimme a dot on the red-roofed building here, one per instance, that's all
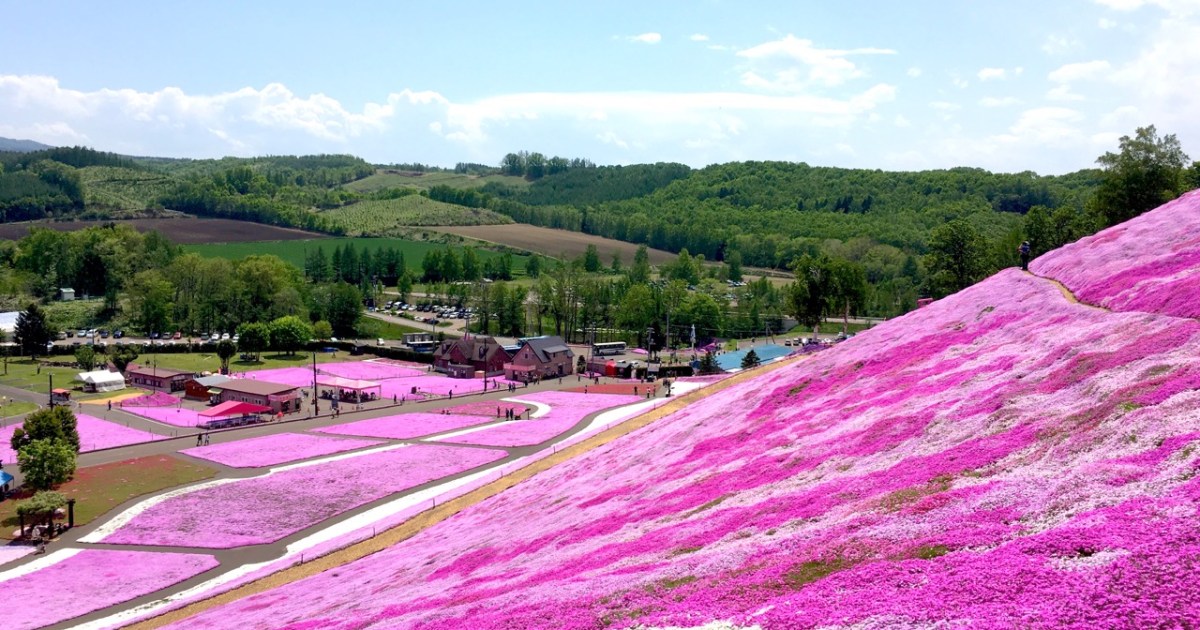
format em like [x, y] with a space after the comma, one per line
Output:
[462, 358]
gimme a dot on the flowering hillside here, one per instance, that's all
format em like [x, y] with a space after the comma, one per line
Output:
[1150, 263]
[1003, 457]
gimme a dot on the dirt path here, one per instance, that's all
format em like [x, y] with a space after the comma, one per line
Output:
[436, 515]
[1070, 297]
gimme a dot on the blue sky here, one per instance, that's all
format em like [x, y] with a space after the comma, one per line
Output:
[1006, 86]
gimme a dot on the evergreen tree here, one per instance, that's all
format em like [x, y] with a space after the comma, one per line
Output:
[751, 360]
[639, 273]
[32, 331]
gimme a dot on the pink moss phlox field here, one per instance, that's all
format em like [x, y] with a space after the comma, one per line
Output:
[999, 458]
[153, 399]
[487, 408]
[270, 450]
[405, 426]
[11, 552]
[91, 580]
[1150, 263]
[370, 370]
[174, 416]
[264, 509]
[94, 434]
[566, 410]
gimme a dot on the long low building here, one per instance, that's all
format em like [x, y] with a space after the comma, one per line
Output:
[158, 378]
[279, 397]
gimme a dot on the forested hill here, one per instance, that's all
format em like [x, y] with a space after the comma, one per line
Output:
[10, 144]
[772, 211]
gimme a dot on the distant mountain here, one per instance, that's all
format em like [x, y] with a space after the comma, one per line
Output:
[22, 146]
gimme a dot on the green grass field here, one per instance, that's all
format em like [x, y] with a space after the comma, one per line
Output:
[384, 179]
[10, 408]
[294, 251]
[385, 217]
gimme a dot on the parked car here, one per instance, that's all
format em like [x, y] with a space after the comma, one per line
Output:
[215, 337]
[178, 335]
[81, 333]
[62, 335]
[117, 334]
[225, 336]
[103, 333]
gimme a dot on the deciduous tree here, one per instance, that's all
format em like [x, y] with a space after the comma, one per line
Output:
[1147, 172]
[46, 463]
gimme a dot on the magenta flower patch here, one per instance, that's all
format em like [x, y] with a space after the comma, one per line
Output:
[270, 450]
[267, 508]
[91, 580]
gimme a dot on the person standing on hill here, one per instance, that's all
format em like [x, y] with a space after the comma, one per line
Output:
[1023, 250]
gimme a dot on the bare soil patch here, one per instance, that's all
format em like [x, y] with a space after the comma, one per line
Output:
[551, 242]
[180, 230]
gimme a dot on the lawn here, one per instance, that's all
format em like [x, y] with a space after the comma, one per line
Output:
[23, 373]
[208, 361]
[99, 489]
[370, 328]
[12, 408]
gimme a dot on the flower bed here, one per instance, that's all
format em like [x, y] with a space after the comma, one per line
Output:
[492, 409]
[8, 553]
[91, 580]
[174, 416]
[566, 410]
[153, 399]
[994, 459]
[270, 450]
[265, 509]
[94, 434]
[369, 370]
[405, 426]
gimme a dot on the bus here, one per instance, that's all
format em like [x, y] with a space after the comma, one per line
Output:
[608, 347]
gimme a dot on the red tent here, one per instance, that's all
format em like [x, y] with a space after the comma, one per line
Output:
[234, 408]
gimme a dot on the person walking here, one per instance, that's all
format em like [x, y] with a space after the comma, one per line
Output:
[1024, 250]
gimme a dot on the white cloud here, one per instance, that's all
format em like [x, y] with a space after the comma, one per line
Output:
[1080, 71]
[992, 101]
[646, 38]
[1059, 44]
[959, 82]
[987, 74]
[945, 106]
[1176, 8]
[1063, 93]
[913, 72]
[1105, 23]
[699, 37]
[426, 126]
[792, 64]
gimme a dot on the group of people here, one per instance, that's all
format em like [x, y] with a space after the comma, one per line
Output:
[202, 439]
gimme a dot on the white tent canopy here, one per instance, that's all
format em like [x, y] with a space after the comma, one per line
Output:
[101, 381]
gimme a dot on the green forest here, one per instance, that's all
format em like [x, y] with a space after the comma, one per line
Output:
[906, 233]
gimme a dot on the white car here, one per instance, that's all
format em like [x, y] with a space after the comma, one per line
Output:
[224, 336]
[216, 337]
